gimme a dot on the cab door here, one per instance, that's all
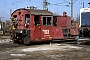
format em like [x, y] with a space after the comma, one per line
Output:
[37, 28]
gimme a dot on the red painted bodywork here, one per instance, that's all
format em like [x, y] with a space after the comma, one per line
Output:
[32, 28]
[37, 33]
[21, 18]
[77, 25]
[43, 32]
[57, 33]
[64, 21]
[74, 31]
[46, 33]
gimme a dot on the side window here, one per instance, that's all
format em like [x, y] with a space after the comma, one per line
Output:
[27, 18]
[37, 20]
[54, 21]
[47, 21]
[15, 16]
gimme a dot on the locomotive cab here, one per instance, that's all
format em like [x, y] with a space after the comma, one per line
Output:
[42, 25]
[29, 25]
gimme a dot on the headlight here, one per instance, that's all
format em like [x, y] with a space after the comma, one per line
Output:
[20, 31]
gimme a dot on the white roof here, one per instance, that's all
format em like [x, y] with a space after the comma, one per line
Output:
[84, 10]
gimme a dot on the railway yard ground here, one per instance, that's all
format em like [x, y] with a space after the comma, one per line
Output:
[37, 51]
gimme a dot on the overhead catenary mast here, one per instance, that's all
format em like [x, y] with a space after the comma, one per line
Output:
[89, 4]
[72, 9]
[45, 5]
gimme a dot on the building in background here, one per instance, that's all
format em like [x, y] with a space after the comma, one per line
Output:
[5, 27]
[1, 27]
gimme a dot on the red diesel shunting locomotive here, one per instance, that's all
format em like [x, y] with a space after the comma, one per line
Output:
[30, 25]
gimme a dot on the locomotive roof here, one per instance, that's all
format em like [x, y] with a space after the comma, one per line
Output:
[40, 12]
[36, 12]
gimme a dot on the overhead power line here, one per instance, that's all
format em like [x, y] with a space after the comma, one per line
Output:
[58, 3]
[66, 1]
[74, 1]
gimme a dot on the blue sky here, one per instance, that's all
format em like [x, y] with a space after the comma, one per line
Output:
[7, 5]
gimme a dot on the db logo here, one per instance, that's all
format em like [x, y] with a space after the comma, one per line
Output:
[46, 31]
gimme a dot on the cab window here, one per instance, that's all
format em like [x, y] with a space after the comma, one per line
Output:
[47, 20]
[27, 18]
[55, 21]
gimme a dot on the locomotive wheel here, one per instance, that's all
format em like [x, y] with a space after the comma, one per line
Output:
[26, 40]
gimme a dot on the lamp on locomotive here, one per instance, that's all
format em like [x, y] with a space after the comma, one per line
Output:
[13, 21]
